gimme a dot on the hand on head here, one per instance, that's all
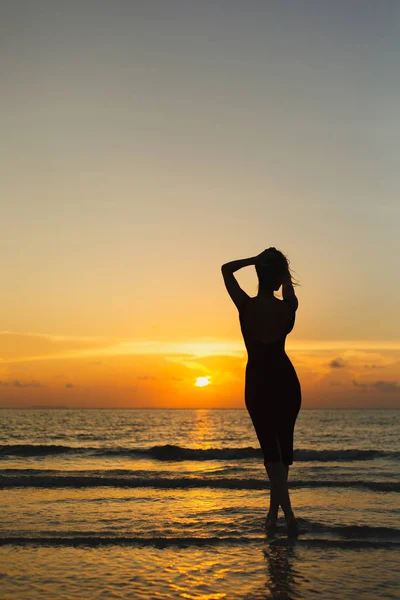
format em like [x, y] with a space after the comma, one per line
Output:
[266, 256]
[276, 265]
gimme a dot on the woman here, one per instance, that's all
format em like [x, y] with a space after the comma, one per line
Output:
[272, 389]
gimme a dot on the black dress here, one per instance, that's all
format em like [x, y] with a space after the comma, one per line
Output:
[272, 393]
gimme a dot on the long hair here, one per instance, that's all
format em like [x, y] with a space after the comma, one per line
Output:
[272, 271]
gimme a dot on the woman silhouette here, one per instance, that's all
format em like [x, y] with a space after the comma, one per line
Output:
[272, 388]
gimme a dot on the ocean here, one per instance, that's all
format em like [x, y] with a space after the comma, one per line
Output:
[170, 503]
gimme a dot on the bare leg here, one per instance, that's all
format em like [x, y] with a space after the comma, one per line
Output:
[279, 496]
[291, 521]
[279, 493]
[274, 501]
[287, 471]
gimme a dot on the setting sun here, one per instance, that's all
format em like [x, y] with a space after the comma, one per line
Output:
[203, 381]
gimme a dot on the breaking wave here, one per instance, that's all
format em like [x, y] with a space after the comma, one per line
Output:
[185, 542]
[104, 479]
[170, 452]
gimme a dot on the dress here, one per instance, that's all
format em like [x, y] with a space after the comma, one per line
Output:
[272, 393]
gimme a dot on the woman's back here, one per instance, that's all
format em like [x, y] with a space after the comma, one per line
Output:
[265, 323]
[272, 384]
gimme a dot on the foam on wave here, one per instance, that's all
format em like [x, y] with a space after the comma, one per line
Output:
[163, 542]
[169, 452]
[103, 480]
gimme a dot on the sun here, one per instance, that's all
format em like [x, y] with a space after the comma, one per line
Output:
[203, 381]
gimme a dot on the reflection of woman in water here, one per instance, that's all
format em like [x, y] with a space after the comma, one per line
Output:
[272, 389]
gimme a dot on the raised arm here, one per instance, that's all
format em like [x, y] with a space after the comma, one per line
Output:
[238, 295]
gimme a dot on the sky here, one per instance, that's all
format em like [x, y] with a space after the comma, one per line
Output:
[144, 144]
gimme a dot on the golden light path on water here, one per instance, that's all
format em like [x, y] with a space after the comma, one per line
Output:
[174, 561]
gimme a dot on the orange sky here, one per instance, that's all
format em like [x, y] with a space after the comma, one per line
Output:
[145, 145]
[79, 372]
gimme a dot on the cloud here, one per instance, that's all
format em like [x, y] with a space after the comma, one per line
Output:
[23, 347]
[338, 363]
[386, 386]
[363, 386]
[33, 383]
[69, 385]
[188, 362]
[45, 347]
[382, 386]
[152, 378]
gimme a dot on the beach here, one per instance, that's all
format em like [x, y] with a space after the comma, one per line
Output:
[171, 503]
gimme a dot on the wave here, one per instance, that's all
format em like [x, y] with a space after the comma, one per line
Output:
[184, 542]
[104, 480]
[306, 527]
[169, 452]
[350, 531]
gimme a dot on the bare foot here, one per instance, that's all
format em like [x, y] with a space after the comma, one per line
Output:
[270, 525]
[292, 525]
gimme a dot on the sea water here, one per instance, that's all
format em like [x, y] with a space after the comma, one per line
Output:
[171, 504]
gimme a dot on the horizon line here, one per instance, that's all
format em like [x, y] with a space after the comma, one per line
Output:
[187, 408]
